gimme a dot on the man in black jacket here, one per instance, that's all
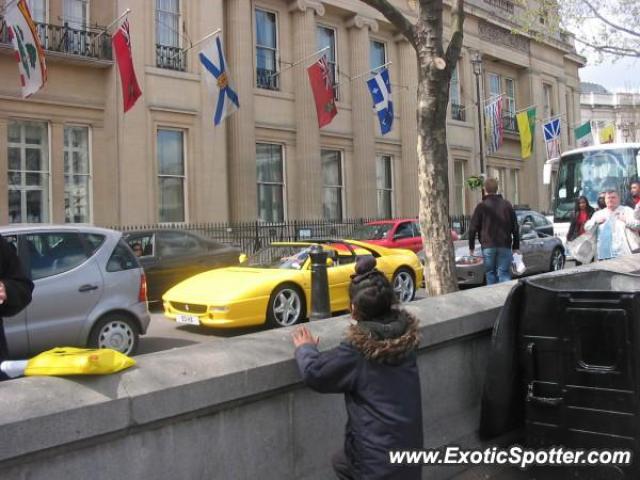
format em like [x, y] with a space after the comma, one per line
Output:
[15, 291]
[496, 224]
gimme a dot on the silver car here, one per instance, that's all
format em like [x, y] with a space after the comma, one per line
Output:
[89, 290]
[540, 252]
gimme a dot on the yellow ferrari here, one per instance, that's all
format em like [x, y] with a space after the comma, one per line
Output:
[274, 284]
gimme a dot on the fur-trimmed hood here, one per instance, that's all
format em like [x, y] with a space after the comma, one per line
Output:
[390, 350]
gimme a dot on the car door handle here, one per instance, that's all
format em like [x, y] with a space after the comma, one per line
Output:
[87, 288]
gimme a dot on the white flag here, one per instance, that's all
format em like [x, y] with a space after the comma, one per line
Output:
[217, 77]
[29, 53]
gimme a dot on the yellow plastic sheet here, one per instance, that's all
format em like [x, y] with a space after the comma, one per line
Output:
[78, 361]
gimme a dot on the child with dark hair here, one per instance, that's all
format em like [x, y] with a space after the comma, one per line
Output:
[375, 367]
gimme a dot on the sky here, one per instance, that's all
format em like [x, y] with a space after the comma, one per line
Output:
[622, 75]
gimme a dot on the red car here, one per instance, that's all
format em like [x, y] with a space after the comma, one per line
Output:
[400, 233]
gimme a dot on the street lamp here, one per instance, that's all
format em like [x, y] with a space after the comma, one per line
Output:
[476, 61]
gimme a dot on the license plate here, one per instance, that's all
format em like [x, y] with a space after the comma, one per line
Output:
[188, 319]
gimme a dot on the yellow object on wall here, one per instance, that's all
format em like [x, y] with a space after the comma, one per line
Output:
[77, 361]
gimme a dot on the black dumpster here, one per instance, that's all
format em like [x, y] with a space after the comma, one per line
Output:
[578, 346]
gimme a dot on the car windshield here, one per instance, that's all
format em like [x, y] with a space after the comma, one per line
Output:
[371, 232]
[290, 257]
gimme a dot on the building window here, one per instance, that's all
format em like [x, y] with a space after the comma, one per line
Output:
[326, 37]
[494, 85]
[171, 175]
[266, 50]
[332, 184]
[168, 31]
[76, 20]
[77, 175]
[509, 106]
[459, 194]
[28, 169]
[384, 185]
[38, 9]
[548, 106]
[377, 54]
[455, 97]
[270, 166]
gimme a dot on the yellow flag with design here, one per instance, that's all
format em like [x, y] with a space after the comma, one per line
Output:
[526, 127]
[608, 133]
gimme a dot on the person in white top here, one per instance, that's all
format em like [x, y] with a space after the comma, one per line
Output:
[616, 228]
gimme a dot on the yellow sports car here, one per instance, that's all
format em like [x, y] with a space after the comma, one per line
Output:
[274, 284]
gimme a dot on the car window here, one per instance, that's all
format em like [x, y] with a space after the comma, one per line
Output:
[405, 230]
[122, 258]
[52, 253]
[93, 240]
[177, 243]
[540, 221]
[416, 229]
[142, 245]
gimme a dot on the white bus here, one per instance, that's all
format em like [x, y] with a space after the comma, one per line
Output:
[589, 171]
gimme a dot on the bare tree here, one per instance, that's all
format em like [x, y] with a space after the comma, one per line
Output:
[606, 28]
[435, 67]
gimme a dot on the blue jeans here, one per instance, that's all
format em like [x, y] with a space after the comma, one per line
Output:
[497, 264]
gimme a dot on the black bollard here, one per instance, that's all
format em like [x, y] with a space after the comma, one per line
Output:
[319, 284]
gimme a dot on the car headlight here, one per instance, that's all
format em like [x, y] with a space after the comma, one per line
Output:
[219, 309]
[468, 260]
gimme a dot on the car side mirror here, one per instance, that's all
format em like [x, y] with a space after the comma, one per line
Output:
[243, 258]
[330, 262]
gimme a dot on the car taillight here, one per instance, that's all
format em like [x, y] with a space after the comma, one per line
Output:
[142, 293]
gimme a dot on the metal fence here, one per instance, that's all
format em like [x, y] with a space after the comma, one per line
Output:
[251, 236]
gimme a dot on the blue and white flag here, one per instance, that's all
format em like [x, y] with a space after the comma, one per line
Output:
[217, 77]
[380, 88]
[552, 138]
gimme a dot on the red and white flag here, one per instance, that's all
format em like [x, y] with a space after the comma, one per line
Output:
[29, 53]
[322, 87]
[121, 42]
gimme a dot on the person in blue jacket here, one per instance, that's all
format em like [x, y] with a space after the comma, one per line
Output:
[375, 367]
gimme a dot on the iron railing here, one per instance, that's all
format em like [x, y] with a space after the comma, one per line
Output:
[86, 42]
[251, 236]
[171, 58]
[457, 112]
[506, 5]
[509, 123]
[267, 79]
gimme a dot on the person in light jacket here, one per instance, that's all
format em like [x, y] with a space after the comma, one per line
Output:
[616, 228]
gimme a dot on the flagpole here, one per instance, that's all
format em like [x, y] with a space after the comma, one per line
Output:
[368, 72]
[106, 29]
[215, 32]
[525, 109]
[289, 67]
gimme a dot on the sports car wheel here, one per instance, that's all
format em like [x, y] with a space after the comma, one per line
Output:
[557, 260]
[286, 307]
[404, 285]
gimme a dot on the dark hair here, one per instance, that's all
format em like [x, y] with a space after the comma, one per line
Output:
[370, 292]
[634, 182]
[582, 197]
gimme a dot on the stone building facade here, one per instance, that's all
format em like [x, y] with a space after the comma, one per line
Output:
[71, 155]
[621, 108]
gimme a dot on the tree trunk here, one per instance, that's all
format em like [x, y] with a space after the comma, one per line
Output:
[433, 175]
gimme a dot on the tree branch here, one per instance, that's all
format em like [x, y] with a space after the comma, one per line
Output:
[396, 17]
[455, 45]
[610, 49]
[606, 21]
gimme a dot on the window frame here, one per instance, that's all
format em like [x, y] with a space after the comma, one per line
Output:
[509, 113]
[276, 51]
[179, 31]
[547, 94]
[72, 22]
[462, 186]
[89, 175]
[185, 194]
[385, 52]
[341, 186]
[390, 189]
[283, 184]
[336, 71]
[23, 187]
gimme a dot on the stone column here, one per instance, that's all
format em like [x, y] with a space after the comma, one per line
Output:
[408, 198]
[241, 135]
[4, 167]
[306, 168]
[57, 172]
[562, 110]
[364, 202]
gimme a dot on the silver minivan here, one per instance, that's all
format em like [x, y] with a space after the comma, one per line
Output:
[89, 290]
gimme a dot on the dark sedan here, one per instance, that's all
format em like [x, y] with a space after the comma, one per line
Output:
[171, 256]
